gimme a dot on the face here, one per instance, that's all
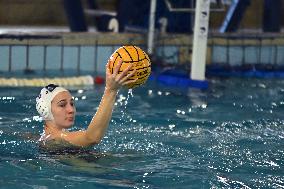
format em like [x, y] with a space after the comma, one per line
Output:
[63, 110]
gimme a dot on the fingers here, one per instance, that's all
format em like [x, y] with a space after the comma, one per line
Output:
[124, 73]
[125, 78]
[118, 78]
[129, 82]
[117, 67]
[108, 73]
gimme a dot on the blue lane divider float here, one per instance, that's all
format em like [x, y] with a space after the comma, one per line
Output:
[247, 74]
[179, 81]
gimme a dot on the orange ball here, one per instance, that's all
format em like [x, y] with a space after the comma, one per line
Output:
[132, 55]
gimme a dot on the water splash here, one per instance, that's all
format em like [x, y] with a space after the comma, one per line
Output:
[123, 101]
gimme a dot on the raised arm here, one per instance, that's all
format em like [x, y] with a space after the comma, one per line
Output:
[99, 124]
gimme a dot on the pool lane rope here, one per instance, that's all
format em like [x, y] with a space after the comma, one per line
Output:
[39, 82]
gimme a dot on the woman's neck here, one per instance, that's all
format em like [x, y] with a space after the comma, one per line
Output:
[51, 129]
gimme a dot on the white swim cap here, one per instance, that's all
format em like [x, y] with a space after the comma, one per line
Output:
[43, 101]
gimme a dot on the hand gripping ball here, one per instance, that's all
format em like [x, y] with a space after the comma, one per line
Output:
[132, 55]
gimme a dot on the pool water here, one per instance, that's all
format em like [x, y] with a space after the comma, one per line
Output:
[229, 136]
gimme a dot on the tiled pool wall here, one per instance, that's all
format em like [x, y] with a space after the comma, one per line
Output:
[52, 57]
[83, 52]
[249, 51]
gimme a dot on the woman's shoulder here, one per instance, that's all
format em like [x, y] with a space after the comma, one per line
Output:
[49, 144]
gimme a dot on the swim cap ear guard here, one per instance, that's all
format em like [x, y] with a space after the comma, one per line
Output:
[44, 99]
[42, 108]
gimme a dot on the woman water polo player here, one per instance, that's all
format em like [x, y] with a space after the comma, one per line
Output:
[55, 105]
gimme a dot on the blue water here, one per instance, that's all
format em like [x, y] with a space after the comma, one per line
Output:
[229, 136]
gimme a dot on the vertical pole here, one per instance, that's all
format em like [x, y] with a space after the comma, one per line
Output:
[200, 40]
[151, 30]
